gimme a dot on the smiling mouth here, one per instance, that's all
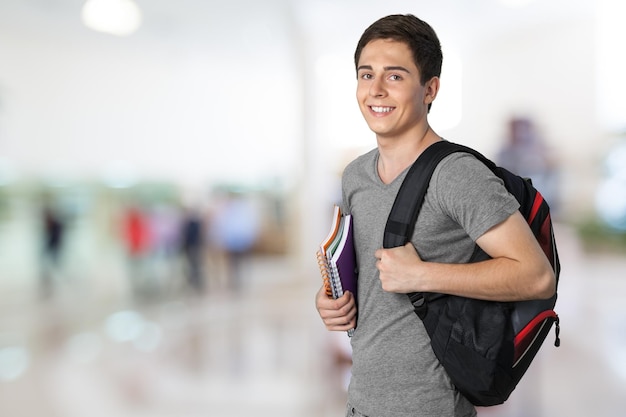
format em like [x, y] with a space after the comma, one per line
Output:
[381, 109]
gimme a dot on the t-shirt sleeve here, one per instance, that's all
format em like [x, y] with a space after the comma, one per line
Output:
[470, 194]
[345, 188]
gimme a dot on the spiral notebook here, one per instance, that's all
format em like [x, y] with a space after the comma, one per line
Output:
[337, 259]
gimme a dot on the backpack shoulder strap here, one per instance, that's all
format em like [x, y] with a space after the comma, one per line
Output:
[408, 202]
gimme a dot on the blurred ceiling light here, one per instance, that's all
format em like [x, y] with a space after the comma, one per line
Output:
[116, 17]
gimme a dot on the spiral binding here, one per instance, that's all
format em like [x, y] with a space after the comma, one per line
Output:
[323, 265]
[329, 269]
[335, 281]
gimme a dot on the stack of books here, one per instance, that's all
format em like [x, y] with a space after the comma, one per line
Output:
[337, 259]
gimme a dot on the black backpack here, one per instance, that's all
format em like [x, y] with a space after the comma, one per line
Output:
[485, 346]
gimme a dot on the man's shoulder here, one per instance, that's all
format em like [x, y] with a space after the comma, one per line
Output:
[362, 161]
[462, 176]
[460, 165]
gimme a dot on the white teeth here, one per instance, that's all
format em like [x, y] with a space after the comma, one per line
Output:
[378, 109]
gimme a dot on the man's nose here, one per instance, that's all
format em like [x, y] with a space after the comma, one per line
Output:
[377, 88]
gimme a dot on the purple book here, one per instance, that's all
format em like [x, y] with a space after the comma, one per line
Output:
[343, 261]
[343, 269]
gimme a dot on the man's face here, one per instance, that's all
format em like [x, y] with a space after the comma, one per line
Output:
[390, 95]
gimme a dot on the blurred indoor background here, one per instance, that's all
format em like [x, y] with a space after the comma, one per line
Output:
[168, 168]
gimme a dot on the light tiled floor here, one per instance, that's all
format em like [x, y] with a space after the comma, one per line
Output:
[262, 351]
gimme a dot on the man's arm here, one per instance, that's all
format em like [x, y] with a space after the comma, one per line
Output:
[339, 314]
[518, 270]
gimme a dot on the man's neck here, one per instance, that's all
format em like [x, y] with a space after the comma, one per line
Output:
[397, 154]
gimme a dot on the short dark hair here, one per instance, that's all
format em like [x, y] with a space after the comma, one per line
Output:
[417, 34]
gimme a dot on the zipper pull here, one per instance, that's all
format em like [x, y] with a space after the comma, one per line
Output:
[557, 330]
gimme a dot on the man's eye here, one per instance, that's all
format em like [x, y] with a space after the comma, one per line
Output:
[395, 77]
[366, 76]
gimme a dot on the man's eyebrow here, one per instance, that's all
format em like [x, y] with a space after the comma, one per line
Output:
[390, 68]
[397, 68]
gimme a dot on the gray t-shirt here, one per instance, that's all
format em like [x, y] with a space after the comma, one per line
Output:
[395, 373]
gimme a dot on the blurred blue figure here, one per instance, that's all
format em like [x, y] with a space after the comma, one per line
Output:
[235, 229]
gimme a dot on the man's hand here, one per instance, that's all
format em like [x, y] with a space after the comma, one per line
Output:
[339, 314]
[518, 268]
[398, 268]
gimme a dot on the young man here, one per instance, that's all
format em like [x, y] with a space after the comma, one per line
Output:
[395, 373]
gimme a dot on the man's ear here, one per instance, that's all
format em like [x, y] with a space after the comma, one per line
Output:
[431, 90]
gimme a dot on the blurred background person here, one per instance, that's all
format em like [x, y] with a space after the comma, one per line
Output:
[235, 228]
[525, 153]
[163, 224]
[53, 230]
[192, 243]
[137, 240]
